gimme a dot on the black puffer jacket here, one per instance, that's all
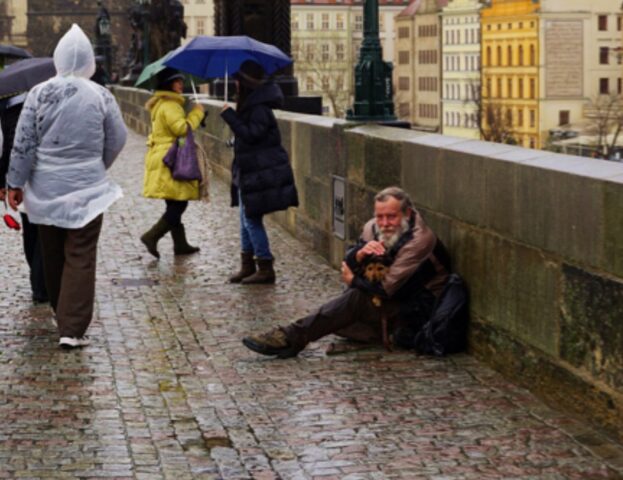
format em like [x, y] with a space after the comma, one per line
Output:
[261, 167]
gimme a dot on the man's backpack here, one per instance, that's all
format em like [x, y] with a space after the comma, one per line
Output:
[446, 330]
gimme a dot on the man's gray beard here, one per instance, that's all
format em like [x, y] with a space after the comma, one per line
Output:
[390, 240]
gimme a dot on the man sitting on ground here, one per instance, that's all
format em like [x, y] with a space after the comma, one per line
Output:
[418, 267]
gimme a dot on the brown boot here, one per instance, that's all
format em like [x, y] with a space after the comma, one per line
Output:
[273, 342]
[247, 267]
[155, 233]
[264, 274]
[180, 244]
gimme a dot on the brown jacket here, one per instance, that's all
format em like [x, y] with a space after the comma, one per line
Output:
[419, 261]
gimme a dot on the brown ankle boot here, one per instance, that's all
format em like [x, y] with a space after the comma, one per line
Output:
[264, 274]
[247, 267]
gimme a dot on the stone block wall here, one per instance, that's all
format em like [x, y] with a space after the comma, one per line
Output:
[537, 236]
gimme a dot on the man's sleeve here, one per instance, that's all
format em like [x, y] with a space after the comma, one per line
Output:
[25, 145]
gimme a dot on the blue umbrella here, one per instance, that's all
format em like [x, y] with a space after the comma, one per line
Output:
[218, 57]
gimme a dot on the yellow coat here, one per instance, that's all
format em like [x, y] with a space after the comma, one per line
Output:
[168, 122]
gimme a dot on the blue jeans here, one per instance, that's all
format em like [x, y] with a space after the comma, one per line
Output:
[253, 236]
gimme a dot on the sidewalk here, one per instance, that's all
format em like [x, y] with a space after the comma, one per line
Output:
[167, 391]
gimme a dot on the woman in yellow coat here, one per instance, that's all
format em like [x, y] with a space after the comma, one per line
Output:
[169, 122]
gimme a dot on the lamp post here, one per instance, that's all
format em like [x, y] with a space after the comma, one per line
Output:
[144, 6]
[103, 36]
[373, 76]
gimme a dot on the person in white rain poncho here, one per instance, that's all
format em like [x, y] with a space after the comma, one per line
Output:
[69, 133]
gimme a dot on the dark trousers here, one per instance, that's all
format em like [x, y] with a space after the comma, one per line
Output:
[175, 210]
[351, 315]
[32, 251]
[69, 261]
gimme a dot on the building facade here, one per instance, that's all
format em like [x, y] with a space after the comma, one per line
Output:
[418, 72]
[326, 37]
[460, 50]
[511, 66]
[13, 23]
[199, 18]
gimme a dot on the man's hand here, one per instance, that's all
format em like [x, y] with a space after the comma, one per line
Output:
[199, 107]
[347, 274]
[16, 196]
[371, 248]
[225, 107]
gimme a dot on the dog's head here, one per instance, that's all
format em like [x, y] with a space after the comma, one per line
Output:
[375, 267]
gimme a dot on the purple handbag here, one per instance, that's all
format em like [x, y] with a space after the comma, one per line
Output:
[182, 160]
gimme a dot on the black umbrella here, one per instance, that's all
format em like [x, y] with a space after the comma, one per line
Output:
[11, 51]
[25, 74]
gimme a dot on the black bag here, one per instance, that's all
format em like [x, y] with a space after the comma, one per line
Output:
[446, 330]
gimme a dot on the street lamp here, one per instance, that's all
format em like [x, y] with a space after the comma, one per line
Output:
[373, 76]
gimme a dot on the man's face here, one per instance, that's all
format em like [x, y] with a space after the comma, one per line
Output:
[389, 218]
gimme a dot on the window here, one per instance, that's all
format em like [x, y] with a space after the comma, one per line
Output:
[358, 23]
[509, 55]
[604, 87]
[325, 21]
[403, 32]
[619, 23]
[294, 21]
[324, 48]
[488, 92]
[403, 83]
[532, 55]
[489, 56]
[532, 88]
[509, 116]
[499, 87]
[563, 117]
[201, 26]
[520, 117]
[602, 23]
[499, 59]
[339, 21]
[604, 53]
[520, 56]
[309, 51]
[532, 142]
[339, 51]
[309, 84]
[520, 88]
[532, 118]
[619, 86]
[403, 57]
[310, 21]
[509, 88]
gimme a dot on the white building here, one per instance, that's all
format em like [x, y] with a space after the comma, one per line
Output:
[199, 18]
[460, 39]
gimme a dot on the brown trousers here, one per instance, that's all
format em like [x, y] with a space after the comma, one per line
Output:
[351, 315]
[69, 261]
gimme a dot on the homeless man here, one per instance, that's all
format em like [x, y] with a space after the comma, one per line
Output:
[416, 267]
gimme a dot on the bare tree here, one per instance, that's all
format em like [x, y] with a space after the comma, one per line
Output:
[327, 78]
[606, 115]
[494, 121]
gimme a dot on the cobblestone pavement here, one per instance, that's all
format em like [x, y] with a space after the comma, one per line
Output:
[167, 391]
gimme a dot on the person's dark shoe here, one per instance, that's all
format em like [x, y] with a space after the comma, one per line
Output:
[39, 298]
[69, 343]
[180, 244]
[247, 267]
[156, 232]
[264, 274]
[273, 342]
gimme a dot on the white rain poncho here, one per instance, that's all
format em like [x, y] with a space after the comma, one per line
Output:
[69, 132]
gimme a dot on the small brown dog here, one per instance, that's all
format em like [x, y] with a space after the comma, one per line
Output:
[374, 269]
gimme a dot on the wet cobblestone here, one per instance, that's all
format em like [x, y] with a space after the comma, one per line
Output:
[167, 391]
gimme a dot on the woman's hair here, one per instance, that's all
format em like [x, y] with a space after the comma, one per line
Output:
[166, 78]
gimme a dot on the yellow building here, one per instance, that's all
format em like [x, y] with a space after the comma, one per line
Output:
[13, 22]
[199, 18]
[510, 66]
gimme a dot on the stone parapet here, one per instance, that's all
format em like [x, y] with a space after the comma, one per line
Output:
[536, 235]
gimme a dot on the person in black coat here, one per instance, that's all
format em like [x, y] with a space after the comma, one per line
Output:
[10, 109]
[262, 178]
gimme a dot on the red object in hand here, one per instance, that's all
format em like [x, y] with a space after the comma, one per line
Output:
[11, 222]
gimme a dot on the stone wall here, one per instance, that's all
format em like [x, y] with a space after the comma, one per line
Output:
[536, 235]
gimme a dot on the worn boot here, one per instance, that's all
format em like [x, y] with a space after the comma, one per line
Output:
[150, 238]
[264, 274]
[247, 267]
[180, 245]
